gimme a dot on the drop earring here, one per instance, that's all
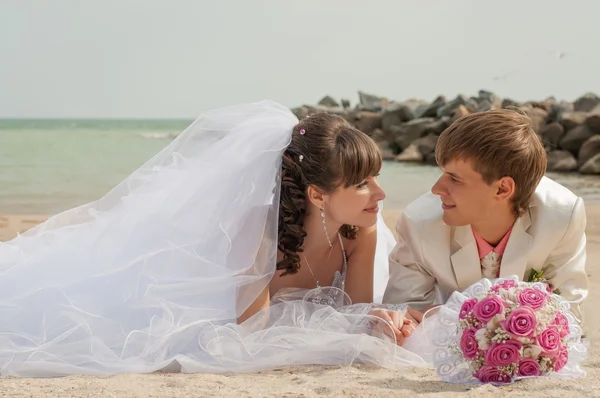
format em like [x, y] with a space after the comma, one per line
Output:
[325, 226]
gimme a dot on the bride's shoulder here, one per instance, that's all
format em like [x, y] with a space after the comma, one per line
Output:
[365, 238]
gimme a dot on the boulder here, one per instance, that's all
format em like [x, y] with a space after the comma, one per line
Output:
[572, 119]
[589, 149]
[491, 98]
[538, 117]
[365, 121]
[574, 139]
[406, 133]
[410, 154]
[561, 160]
[426, 145]
[586, 102]
[329, 101]
[593, 120]
[369, 102]
[432, 109]
[459, 112]
[450, 107]
[506, 102]
[592, 166]
[552, 133]
[394, 115]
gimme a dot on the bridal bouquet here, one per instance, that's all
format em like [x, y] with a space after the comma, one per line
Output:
[506, 330]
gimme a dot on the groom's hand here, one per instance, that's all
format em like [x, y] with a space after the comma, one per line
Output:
[401, 327]
[415, 315]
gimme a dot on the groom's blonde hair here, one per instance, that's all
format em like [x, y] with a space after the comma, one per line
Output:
[499, 143]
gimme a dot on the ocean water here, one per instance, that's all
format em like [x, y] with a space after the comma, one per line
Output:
[48, 166]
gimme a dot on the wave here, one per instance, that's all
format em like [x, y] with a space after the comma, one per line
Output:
[157, 136]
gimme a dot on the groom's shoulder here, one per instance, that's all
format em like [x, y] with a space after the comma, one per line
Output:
[550, 195]
[425, 210]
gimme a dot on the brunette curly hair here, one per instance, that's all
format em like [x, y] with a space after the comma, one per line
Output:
[326, 151]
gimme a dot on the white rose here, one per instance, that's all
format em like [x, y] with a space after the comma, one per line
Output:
[532, 351]
[482, 340]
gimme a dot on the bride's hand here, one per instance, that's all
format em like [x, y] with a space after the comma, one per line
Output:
[401, 326]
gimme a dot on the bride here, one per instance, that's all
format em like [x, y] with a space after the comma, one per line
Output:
[249, 242]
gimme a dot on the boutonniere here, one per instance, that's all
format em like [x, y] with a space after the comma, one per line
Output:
[538, 276]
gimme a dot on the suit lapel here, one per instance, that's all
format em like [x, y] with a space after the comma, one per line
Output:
[465, 260]
[514, 259]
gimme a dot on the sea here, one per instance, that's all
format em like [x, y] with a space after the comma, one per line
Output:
[48, 166]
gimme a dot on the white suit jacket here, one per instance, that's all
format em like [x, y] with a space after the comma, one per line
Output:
[431, 260]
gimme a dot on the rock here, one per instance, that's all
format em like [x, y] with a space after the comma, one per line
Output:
[438, 126]
[301, 112]
[593, 120]
[552, 133]
[386, 152]
[592, 166]
[506, 102]
[410, 154]
[345, 103]
[430, 159]
[556, 110]
[378, 135]
[369, 102]
[459, 112]
[306, 110]
[432, 109]
[572, 119]
[588, 150]
[561, 161]
[406, 133]
[449, 108]
[426, 145]
[586, 102]
[574, 139]
[365, 121]
[395, 114]
[484, 106]
[491, 98]
[328, 101]
[416, 106]
[538, 117]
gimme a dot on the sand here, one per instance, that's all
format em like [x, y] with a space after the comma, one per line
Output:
[318, 381]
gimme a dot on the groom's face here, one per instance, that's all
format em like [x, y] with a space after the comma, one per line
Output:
[465, 197]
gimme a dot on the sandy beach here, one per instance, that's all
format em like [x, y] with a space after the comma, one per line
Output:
[318, 381]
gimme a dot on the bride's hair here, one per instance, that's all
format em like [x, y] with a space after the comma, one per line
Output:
[326, 151]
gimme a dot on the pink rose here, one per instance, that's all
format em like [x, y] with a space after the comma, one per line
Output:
[485, 309]
[468, 343]
[529, 367]
[467, 307]
[533, 298]
[521, 322]
[490, 374]
[561, 358]
[563, 324]
[503, 354]
[507, 284]
[549, 340]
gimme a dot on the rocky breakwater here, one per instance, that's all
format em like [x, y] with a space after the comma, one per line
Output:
[407, 131]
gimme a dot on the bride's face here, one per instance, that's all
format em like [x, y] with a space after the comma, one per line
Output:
[355, 205]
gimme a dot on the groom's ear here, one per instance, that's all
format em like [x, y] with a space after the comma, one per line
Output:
[315, 195]
[505, 188]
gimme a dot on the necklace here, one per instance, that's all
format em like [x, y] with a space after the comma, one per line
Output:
[311, 272]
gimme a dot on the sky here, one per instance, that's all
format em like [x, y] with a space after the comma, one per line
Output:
[178, 58]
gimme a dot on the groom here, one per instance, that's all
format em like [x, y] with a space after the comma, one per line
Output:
[491, 214]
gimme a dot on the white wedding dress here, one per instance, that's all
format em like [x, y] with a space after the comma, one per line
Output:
[153, 275]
